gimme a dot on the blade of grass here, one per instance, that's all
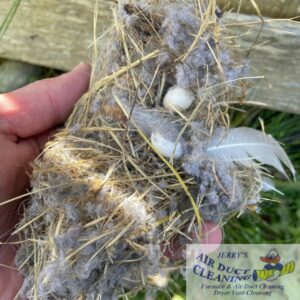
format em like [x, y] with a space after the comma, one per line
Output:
[8, 18]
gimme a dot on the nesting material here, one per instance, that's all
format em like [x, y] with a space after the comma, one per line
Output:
[126, 177]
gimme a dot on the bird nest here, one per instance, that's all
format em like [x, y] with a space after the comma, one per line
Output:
[145, 157]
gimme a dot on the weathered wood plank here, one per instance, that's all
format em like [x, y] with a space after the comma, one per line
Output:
[57, 34]
[52, 33]
[270, 8]
[275, 55]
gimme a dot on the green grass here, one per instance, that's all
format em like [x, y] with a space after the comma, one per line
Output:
[277, 222]
[8, 17]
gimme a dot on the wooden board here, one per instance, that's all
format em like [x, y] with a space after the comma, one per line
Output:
[57, 34]
[52, 33]
[275, 55]
[271, 8]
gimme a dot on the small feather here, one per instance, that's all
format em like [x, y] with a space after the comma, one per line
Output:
[243, 145]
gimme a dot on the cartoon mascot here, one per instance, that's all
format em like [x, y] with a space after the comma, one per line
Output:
[273, 268]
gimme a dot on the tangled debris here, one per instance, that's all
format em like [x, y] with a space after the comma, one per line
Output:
[134, 168]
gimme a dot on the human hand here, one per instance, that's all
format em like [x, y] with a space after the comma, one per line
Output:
[210, 235]
[27, 118]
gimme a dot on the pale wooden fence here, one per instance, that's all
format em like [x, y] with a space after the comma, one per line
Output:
[57, 34]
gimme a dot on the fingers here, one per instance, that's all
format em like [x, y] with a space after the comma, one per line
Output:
[10, 280]
[212, 234]
[212, 237]
[29, 149]
[42, 105]
[210, 240]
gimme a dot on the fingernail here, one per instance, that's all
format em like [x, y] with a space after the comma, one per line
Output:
[85, 67]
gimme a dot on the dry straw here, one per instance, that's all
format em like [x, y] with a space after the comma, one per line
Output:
[107, 204]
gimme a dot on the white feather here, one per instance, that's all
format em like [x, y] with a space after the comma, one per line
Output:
[243, 145]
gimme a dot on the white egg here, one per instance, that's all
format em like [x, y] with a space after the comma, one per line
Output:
[166, 146]
[178, 98]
